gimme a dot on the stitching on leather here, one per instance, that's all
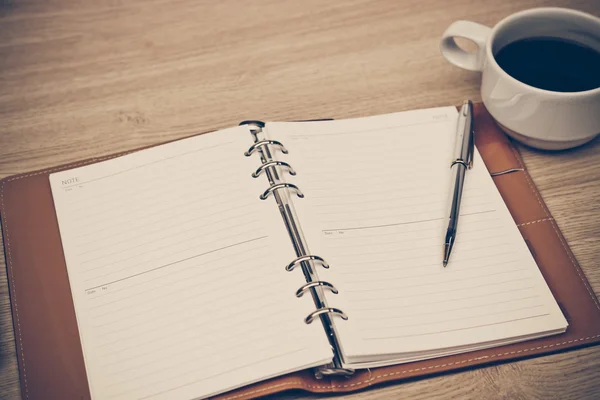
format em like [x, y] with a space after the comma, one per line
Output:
[406, 371]
[245, 394]
[486, 357]
[577, 269]
[14, 292]
[370, 377]
[535, 222]
[562, 242]
[301, 384]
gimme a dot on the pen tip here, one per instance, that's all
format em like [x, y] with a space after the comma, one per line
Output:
[447, 250]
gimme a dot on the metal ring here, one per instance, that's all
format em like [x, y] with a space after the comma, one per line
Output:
[308, 257]
[265, 142]
[254, 122]
[309, 285]
[278, 186]
[255, 127]
[266, 165]
[334, 371]
[325, 310]
[459, 161]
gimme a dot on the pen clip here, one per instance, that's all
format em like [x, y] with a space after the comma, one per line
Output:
[471, 125]
[471, 149]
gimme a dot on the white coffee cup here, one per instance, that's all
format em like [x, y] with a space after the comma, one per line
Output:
[537, 117]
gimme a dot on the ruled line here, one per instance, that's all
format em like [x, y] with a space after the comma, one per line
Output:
[144, 183]
[208, 287]
[427, 256]
[145, 165]
[168, 201]
[174, 262]
[115, 227]
[393, 204]
[227, 371]
[410, 237]
[445, 312]
[171, 273]
[400, 223]
[411, 207]
[188, 351]
[387, 234]
[339, 202]
[400, 250]
[448, 310]
[128, 378]
[429, 121]
[158, 322]
[167, 235]
[438, 291]
[437, 332]
[368, 311]
[174, 342]
[437, 273]
[161, 239]
[155, 249]
[238, 321]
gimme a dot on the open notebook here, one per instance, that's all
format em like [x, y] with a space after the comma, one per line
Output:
[187, 283]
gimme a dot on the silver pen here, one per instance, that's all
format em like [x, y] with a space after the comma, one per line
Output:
[462, 160]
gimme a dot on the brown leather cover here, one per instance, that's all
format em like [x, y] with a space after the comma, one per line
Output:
[49, 351]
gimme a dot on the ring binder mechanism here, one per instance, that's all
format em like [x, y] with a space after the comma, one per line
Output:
[265, 142]
[271, 167]
[266, 165]
[278, 186]
[309, 285]
[325, 310]
[307, 257]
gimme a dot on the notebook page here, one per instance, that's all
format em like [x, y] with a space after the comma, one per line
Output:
[376, 191]
[177, 272]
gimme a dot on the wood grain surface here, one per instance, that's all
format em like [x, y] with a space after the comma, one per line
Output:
[81, 79]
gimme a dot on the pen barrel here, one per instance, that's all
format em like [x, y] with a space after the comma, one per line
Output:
[459, 145]
[457, 184]
[463, 146]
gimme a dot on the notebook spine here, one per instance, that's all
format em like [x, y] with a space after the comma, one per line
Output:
[306, 262]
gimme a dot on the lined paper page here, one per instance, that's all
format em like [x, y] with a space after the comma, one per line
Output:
[376, 192]
[177, 272]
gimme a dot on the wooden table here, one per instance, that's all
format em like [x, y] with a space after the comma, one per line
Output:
[80, 80]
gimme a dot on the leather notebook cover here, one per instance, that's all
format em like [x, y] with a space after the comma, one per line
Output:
[48, 347]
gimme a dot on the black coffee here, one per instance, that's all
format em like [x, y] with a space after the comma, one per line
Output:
[551, 64]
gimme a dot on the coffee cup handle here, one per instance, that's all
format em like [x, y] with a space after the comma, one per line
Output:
[473, 31]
